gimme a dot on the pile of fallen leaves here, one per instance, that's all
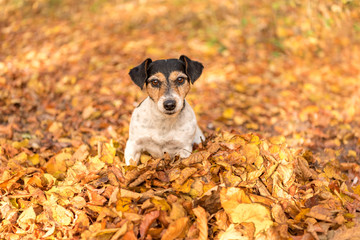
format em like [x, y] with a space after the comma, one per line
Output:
[279, 102]
[232, 187]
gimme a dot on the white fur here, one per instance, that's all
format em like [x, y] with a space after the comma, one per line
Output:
[155, 132]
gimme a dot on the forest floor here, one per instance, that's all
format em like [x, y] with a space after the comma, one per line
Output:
[279, 103]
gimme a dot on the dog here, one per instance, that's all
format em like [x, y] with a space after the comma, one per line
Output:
[164, 122]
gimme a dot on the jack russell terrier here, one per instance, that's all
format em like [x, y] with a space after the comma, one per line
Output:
[164, 121]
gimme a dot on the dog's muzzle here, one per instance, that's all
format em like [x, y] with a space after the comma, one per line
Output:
[169, 105]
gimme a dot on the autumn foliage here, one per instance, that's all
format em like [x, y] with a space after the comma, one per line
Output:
[279, 103]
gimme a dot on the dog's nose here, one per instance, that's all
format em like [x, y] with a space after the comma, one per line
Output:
[170, 105]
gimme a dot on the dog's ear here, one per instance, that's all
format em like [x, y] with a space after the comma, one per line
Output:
[192, 68]
[139, 74]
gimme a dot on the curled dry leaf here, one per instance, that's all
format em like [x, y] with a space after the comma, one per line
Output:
[129, 194]
[201, 220]
[185, 174]
[176, 229]
[196, 158]
[148, 219]
[27, 218]
[140, 179]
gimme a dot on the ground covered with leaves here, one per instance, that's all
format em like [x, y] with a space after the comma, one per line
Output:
[279, 103]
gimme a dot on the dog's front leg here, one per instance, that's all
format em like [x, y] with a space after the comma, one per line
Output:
[132, 153]
[199, 136]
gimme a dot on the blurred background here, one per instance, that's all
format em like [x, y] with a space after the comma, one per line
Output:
[278, 68]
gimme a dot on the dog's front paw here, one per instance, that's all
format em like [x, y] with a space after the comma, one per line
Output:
[131, 155]
[131, 161]
[185, 153]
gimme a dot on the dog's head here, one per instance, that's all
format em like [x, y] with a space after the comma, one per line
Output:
[167, 81]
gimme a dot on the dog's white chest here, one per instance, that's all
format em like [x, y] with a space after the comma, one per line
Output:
[155, 133]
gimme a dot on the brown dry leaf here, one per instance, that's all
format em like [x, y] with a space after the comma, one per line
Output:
[278, 214]
[177, 211]
[302, 169]
[148, 219]
[123, 193]
[196, 157]
[176, 229]
[7, 182]
[81, 153]
[174, 174]
[201, 221]
[143, 177]
[95, 198]
[185, 174]
[321, 213]
[130, 235]
[222, 220]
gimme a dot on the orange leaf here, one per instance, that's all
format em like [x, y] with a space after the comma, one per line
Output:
[201, 222]
[175, 229]
[147, 221]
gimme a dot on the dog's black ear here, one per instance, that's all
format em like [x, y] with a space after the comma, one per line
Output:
[139, 74]
[193, 68]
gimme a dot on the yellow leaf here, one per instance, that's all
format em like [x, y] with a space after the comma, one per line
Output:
[240, 87]
[254, 80]
[160, 203]
[123, 204]
[21, 144]
[108, 153]
[351, 153]
[95, 164]
[34, 159]
[331, 172]
[185, 187]
[228, 113]
[20, 158]
[252, 213]
[277, 140]
[61, 215]
[26, 218]
[232, 196]
[196, 188]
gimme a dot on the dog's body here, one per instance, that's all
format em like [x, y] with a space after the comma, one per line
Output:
[164, 121]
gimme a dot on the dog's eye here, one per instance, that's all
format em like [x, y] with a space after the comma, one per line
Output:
[180, 80]
[155, 83]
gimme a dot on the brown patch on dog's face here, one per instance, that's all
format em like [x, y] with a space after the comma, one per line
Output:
[169, 93]
[156, 86]
[179, 83]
